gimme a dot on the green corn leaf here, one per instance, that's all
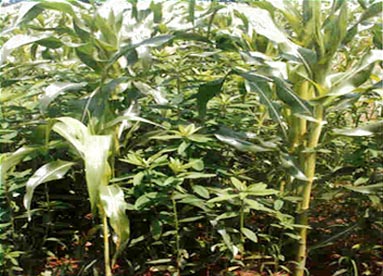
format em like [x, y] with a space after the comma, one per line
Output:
[373, 10]
[334, 31]
[366, 130]
[73, 131]
[52, 171]
[155, 41]
[289, 97]
[264, 92]
[363, 64]
[114, 205]
[289, 163]
[54, 90]
[17, 41]
[97, 169]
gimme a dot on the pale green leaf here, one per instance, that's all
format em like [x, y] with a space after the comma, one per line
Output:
[249, 234]
[114, 205]
[239, 185]
[73, 131]
[52, 171]
[17, 41]
[201, 191]
[54, 90]
[97, 169]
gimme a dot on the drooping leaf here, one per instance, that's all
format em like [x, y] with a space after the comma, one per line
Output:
[73, 131]
[290, 164]
[373, 10]
[264, 92]
[17, 41]
[54, 90]
[114, 205]
[97, 169]
[52, 171]
[366, 130]
[206, 92]
[155, 41]
[289, 97]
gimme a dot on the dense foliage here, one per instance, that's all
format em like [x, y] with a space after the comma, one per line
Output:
[191, 138]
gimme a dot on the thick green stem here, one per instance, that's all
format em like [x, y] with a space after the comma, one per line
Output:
[108, 270]
[310, 156]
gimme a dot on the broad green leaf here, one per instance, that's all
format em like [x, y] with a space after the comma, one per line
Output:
[239, 185]
[260, 189]
[54, 90]
[223, 197]
[255, 205]
[227, 215]
[249, 234]
[73, 131]
[201, 191]
[145, 199]
[86, 55]
[97, 169]
[364, 62]
[206, 92]
[52, 171]
[334, 31]
[114, 205]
